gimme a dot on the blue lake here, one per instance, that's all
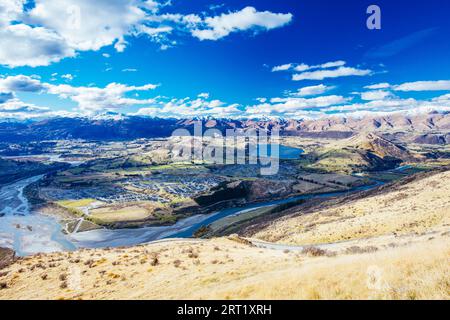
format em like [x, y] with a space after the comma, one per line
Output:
[285, 152]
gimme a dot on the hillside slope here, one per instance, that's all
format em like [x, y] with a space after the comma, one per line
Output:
[396, 247]
[421, 206]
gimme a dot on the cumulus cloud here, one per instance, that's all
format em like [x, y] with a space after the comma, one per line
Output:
[332, 64]
[376, 95]
[248, 18]
[10, 106]
[85, 24]
[10, 10]
[283, 67]
[68, 77]
[304, 67]
[20, 83]
[443, 98]
[312, 90]
[377, 101]
[383, 85]
[54, 30]
[91, 99]
[336, 73]
[332, 69]
[15, 105]
[88, 99]
[406, 106]
[22, 45]
[441, 85]
[291, 106]
[186, 108]
[204, 95]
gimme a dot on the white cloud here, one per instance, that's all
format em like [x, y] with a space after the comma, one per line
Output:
[22, 45]
[312, 90]
[86, 24]
[441, 85]
[20, 83]
[302, 67]
[90, 99]
[15, 105]
[68, 77]
[155, 31]
[204, 95]
[10, 10]
[332, 69]
[290, 106]
[248, 18]
[129, 70]
[332, 64]
[376, 95]
[443, 98]
[52, 30]
[383, 85]
[261, 100]
[283, 67]
[186, 108]
[323, 74]
[10, 105]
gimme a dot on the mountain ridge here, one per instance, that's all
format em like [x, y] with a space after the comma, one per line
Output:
[134, 127]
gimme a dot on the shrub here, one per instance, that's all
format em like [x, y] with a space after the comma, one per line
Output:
[314, 251]
[154, 261]
[177, 263]
[359, 250]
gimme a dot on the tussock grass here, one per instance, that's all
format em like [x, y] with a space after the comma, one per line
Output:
[418, 207]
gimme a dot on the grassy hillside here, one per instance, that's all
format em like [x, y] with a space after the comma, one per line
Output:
[418, 207]
[225, 269]
[393, 244]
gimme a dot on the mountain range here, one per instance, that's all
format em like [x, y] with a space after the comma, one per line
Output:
[432, 128]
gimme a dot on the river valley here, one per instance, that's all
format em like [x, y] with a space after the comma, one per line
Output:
[29, 233]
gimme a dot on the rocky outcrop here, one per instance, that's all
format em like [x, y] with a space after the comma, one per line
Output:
[7, 257]
[223, 192]
[433, 139]
[250, 191]
[381, 147]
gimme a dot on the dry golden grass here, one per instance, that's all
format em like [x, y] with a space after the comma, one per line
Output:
[224, 269]
[418, 207]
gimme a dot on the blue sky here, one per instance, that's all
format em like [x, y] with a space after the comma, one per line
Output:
[217, 58]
